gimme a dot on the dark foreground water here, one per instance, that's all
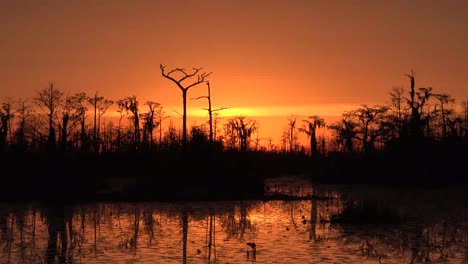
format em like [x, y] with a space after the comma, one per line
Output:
[329, 224]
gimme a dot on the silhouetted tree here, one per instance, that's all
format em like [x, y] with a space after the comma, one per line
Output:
[149, 122]
[100, 106]
[23, 111]
[398, 109]
[49, 99]
[292, 137]
[416, 102]
[242, 129]
[345, 131]
[465, 119]
[210, 111]
[79, 103]
[160, 116]
[369, 125]
[131, 105]
[312, 124]
[179, 81]
[6, 115]
[122, 112]
[444, 100]
[216, 121]
[68, 120]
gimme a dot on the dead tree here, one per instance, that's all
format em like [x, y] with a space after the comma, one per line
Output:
[444, 100]
[23, 110]
[122, 112]
[160, 116]
[100, 106]
[79, 103]
[210, 110]
[49, 100]
[179, 81]
[396, 99]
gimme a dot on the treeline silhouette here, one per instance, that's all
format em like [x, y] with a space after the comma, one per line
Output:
[418, 136]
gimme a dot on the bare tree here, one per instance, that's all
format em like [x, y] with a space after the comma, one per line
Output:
[122, 112]
[49, 99]
[100, 106]
[79, 103]
[160, 116]
[210, 110]
[179, 81]
[396, 102]
[23, 110]
[444, 100]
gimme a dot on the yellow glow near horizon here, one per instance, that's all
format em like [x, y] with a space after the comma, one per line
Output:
[300, 110]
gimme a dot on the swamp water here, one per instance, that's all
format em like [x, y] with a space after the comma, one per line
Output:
[300, 223]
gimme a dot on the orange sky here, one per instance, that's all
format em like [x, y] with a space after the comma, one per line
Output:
[267, 57]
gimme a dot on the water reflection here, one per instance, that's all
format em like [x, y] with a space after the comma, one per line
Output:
[329, 224]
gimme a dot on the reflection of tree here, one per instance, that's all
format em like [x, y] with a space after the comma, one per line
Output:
[136, 228]
[313, 219]
[211, 236]
[20, 226]
[291, 213]
[95, 228]
[184, 218]
[149, 222]
[414, 242]
[236, 227]
[57, 245]
[6, 230]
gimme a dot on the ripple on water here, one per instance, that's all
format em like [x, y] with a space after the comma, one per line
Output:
[284, 231]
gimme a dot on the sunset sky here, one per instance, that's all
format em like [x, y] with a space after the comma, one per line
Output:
[268, 58]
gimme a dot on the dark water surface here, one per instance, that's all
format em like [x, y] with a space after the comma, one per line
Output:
[303, 224]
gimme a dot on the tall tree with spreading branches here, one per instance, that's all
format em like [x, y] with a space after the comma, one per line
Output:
[179, 76]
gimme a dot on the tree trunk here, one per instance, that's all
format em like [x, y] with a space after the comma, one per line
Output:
[184, 120]
[51, 139]
[210, 113]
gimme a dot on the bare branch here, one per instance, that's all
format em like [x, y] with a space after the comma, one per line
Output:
[177, 112]
[199, 97]
[219, 109]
